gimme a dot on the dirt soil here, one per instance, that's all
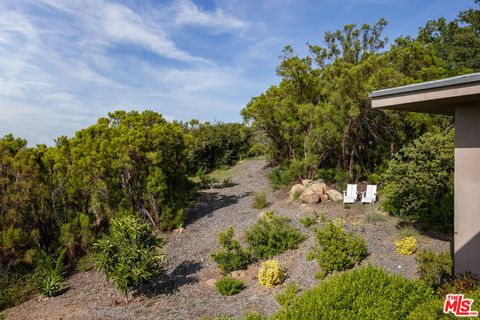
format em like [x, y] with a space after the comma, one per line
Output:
[186, 290]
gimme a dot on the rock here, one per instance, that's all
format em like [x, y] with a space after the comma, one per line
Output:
[295, 190]
[306, 182]
[324, 197]
[211, 283]
[309, 197]
[318, 187]
[334, 195]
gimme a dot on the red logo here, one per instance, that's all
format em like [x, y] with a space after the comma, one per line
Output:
[459, 306]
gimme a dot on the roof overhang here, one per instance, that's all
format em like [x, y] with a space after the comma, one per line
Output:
[439, 97]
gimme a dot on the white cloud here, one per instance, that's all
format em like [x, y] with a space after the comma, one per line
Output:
[187, 13]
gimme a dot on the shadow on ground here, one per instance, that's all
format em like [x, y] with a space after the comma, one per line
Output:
[169, 283]
[208, 202]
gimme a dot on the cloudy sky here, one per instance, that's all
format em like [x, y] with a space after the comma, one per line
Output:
[65, 63]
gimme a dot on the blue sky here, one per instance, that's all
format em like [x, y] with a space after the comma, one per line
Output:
[63, 64]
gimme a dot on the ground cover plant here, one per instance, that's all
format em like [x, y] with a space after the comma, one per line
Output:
[435, 268]
[228, 286]
[364, 293]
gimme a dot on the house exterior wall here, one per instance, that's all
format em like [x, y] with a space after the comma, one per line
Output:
[467, 189]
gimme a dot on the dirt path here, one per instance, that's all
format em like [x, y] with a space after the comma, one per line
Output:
[186, 290]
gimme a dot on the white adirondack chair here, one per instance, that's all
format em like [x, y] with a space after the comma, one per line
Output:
[350, 195]
[370, 195]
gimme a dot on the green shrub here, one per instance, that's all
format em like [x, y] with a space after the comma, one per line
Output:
[49, 274]
[336, 250]
[420, 178]
[228, 286]
[308, 221]
[232, 256]
[364, 293]
[433, 309]
[129, 255]
[272, 235]
[271, 274]
[406, 246]
[213, 145]
[260, 201]
[286, 297]
[434, 269]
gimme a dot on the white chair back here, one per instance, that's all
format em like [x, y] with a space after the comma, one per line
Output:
[371, 191]
[351, 190]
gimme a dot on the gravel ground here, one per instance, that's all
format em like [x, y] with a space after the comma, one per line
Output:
[186, 290]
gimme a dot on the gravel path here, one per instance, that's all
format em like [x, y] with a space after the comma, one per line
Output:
[186, 290]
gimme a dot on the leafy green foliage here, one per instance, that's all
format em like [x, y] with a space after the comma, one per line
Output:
[319, 121]
[308, 221]
[228, 286]
[457, 41]
[232, 256]
[435, 269]
[49, 273]
[365, 293]
[211, 146]
[286, 297]
[419, 177]
[260, 201]
[17, 284]
[336, 250]
[129, 255]
[272, 235]
[462, 284]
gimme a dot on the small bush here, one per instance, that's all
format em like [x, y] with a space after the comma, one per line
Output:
[337, 250]
[271, 236]
[49, 273]
[286, 297]
[232, 256]
[228, 286]
[374, 216]
[260, 201]
[129, 255]
[364, 293]
[405, 231]
[308, 221]
[434, 269]
[227, 182]
[270, 274]
[406, 246]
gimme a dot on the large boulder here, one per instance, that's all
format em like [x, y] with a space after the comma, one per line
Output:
[306, 182]
[318, 187]
[324, 197]
[334, 195]
[295, 190]
[309, 197]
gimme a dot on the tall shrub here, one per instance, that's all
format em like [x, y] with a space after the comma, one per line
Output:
[420, 180]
